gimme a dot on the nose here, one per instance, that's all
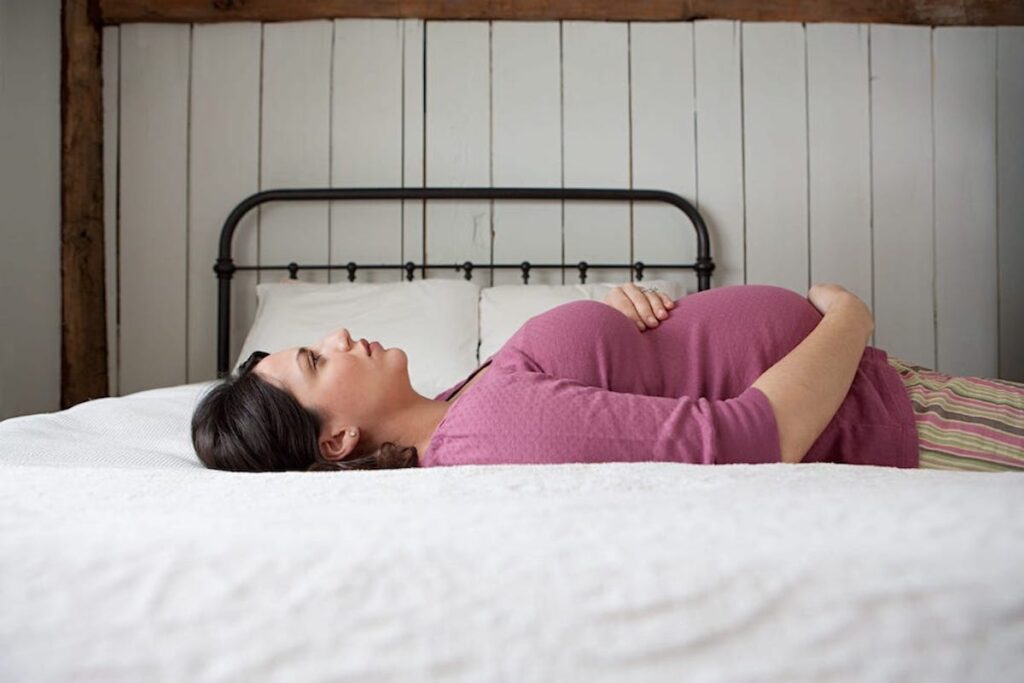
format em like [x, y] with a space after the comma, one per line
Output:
[339, 338]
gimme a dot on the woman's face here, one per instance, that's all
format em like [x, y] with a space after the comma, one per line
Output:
[340, 378]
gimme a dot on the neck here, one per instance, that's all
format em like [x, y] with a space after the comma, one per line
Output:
[414, 424]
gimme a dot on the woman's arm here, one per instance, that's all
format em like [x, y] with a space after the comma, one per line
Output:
[806, 387]
[535, 418]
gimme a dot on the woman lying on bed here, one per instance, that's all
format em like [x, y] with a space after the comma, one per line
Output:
[738, 374]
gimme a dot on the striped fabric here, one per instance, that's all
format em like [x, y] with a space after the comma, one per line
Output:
[965, 423]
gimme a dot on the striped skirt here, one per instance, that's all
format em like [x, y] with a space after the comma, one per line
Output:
[965, 423]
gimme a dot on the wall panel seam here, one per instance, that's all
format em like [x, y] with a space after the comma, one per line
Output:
[188, 188]
[743, 146]
[632, 141]
[693, 79]
[330, 145]
[807, 152]
[935, 296]
[490, 134]
[259, 156]
[871, 178]
[401, 147]
[561, 117]
[423, 161]
[995, 146]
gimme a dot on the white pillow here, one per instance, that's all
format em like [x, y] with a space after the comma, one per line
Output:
[435, 321]
[504, 308]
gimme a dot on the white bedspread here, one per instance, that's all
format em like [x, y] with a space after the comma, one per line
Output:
[121, 559]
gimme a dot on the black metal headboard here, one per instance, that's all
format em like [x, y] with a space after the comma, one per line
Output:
[225, 267]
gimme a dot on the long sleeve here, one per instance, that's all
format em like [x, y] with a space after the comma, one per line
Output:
[534, 418]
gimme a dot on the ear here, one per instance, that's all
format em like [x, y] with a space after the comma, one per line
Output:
[336, 444]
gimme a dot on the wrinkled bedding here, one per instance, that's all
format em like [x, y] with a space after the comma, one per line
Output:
[122, 559]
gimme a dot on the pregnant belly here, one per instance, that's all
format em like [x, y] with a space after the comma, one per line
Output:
[726, 337]
[714, 344]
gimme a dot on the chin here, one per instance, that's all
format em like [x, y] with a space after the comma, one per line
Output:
[396, 351]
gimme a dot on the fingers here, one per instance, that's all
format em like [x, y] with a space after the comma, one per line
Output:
[627, 307]
[650, 306]
[642, 304]
[658, 307]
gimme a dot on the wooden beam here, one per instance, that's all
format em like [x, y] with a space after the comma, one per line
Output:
[83, 299]
[928, 12]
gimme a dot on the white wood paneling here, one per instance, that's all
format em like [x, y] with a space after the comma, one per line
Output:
[719, 146]
[413, 153]
[663, 145]
[775, 154]
[804, 168]
[295, 144]
[1010, 153]
[153, 204]
[527, 90]
[111, 133]
[965, 201]
[30, 145]
[839, 151]
[901, 176]
[366, 144]
[223, 170]
[596, 134]
[458, 145]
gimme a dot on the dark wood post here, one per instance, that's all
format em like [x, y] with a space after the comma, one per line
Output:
[83, 296]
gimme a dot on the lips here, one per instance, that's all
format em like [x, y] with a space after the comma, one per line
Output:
[371, 346]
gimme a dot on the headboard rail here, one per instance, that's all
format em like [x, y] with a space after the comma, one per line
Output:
[225, 266]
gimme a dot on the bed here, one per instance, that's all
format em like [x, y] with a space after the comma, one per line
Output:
[122, 559]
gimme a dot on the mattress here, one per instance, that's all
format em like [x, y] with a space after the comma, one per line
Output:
[122, 559]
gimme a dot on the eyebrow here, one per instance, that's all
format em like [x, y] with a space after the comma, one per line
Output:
[298, 359]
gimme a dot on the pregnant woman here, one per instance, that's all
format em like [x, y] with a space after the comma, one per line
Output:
[738, 374]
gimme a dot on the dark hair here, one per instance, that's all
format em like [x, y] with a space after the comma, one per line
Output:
[247, 424]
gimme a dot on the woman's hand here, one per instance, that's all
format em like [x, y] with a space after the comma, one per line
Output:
[825, 295]
[644, 308]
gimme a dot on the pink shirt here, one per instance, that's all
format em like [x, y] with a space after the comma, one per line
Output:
[581, 384]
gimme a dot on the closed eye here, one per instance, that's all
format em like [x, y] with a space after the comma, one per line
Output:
[313, 358]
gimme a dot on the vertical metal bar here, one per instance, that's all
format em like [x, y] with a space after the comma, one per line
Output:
[225, 269]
